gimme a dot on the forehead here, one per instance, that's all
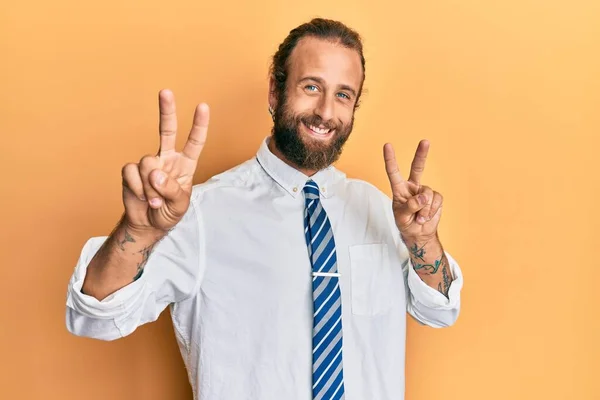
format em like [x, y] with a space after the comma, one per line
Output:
[327, 60]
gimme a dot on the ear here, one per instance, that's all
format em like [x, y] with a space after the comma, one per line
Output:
[272, 93]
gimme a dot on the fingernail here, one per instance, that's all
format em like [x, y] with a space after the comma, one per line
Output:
[155, 202]
[422, 199]
[160, 178]
[143, 198]
[421, 219]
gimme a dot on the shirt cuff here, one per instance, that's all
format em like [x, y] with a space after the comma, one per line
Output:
[432, 298]
[110, 307]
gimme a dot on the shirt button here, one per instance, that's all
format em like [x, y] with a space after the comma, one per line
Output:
[295, 189]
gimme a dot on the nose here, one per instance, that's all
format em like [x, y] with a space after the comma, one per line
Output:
[325, 108]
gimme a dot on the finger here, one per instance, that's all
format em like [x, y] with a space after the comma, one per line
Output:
[168, 122]
[438, 199]
[391, 167]
[195, 143]
[423, 215]
[167, 187]
[418, 165]
[132, 181]
[147, 164]
[412, 206]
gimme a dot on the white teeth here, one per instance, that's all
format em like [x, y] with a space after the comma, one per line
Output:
[319, 130]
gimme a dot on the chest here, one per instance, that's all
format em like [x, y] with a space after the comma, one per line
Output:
[257, 256]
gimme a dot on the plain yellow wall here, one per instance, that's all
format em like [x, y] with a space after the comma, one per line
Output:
[506, 91]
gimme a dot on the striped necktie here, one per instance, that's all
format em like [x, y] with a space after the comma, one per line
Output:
[328, 377]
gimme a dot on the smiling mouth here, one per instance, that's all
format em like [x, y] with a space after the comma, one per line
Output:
[315, 130]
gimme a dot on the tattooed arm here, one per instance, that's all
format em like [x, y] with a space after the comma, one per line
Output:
[105, 298]
[430, 263]
[119, 261]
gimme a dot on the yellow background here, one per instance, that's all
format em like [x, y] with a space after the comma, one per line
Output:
[506, 91]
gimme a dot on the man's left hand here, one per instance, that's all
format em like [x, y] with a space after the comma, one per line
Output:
[417, 208]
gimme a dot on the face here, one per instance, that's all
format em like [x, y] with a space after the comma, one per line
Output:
[314, 117]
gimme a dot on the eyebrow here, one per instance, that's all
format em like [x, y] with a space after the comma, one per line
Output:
[322, 82]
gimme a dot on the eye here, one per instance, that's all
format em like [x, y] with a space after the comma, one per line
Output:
[344, 95]
[311, 88]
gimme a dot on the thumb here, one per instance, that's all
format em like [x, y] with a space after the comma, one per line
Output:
[170, 190]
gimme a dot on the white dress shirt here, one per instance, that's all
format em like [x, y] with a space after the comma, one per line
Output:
[235, 272]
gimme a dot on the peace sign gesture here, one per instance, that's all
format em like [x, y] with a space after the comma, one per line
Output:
[157, 190]
[417, 208]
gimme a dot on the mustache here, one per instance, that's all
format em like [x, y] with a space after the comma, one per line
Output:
[315, 120]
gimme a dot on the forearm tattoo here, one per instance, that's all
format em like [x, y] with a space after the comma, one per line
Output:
[126, 239]
[419, 261]
[445, 280]
[145, 253]
[421, 266]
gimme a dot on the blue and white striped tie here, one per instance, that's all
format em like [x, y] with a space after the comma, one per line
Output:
[328, 376]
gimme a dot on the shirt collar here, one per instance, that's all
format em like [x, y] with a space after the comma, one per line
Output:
[290, 178]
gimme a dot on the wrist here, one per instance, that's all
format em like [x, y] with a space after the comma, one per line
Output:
[142, 234]
[420, 239]
[145, 235]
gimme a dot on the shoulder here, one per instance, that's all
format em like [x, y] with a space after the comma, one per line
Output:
[239, 176]
[361, 187]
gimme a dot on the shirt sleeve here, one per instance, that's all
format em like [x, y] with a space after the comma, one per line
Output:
[172, 274]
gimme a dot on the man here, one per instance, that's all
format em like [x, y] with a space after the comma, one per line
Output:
[285, 279]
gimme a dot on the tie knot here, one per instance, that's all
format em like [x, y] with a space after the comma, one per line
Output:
[311, 190]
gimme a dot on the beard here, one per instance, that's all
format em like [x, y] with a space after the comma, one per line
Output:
[301, 150]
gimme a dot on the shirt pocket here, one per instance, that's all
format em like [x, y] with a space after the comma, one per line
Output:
[371, 278]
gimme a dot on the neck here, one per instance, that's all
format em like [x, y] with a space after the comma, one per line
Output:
[279, 154]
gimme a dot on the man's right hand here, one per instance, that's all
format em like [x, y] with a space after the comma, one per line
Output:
[157, 190]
